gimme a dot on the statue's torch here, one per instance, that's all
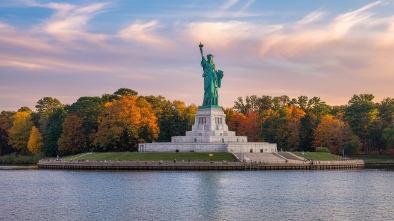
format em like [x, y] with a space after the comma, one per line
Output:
[201, 51]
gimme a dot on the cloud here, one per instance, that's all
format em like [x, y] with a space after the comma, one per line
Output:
[219, 34]
[320, 54]
[224, 11]
[144, 33]
[70, 18]
[68, 23]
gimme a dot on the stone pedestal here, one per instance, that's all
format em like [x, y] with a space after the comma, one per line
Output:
[209, 134]
[209, 127]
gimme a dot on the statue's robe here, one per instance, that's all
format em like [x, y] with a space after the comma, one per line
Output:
[212, 81]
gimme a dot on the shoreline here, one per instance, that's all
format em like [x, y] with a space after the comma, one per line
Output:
[154, 165]
[379, 165]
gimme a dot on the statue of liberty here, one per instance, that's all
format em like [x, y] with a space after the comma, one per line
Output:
[212, 80]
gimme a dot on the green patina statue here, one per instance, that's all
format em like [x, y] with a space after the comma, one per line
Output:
[212, 81]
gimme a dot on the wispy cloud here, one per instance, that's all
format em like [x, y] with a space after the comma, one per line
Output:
[233, 9]
[144, 33]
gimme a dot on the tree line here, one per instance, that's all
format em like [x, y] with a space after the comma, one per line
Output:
[119, 121]
[303, 124]
[112, 122]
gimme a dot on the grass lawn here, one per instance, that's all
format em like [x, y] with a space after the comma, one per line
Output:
[375, 158]
[318, 156]
[137, 156]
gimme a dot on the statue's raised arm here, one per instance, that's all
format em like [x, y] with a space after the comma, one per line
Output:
[212, 80]
[201, 50]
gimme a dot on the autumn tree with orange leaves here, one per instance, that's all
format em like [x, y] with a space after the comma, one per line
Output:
[127, 122]
[333, 134]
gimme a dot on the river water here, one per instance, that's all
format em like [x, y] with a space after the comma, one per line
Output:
[209, 195]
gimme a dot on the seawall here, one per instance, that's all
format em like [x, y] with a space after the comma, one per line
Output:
[142, 165]
[379, 165]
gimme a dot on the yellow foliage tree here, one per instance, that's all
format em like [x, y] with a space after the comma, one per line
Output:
[20, 131]
[35, 141]
[127, 122]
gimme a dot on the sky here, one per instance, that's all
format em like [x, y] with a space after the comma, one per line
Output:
[331, 49]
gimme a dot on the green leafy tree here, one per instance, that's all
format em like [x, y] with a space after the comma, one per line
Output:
[280, 102]
[362, 115]
[314, 108]
[45, 108]
[5, 126]
[25, 109]
[125, 92]
[308, 123]
[241, 107]
[388, 137]
[352, 146]
[54, 131]
[174, 118]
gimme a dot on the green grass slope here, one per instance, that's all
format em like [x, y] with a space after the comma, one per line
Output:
[322, 156]
[137, 156]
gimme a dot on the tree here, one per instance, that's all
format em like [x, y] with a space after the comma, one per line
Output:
[90, 110]
[334, 134]
[253, 127]
[47, 105]
[72, 139]
[149, 129]
[125, 92]
[163, 110]
[238, 124]
[352, 146]
[25, 109]
[314, 109]
[240, 107]
[35, 141]
[190, 111]
[362, 115]
[270, 126]
[45, 108]
[230, 113]
[386, 112]
[291, 128]
[388, 137]
[20, 131]
[308, 123]
[265, 104]
[5, 126]
[125, 124]
[54, 131]
[280, 102]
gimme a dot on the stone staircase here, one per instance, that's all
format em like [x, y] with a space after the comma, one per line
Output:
[259, 157]
[275, 157]
[290, 156]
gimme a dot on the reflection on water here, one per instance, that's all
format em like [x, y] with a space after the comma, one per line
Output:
[212, 195]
